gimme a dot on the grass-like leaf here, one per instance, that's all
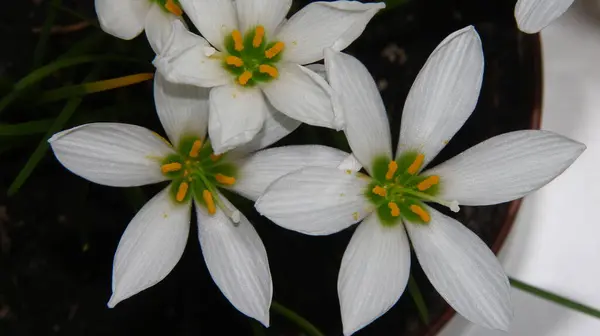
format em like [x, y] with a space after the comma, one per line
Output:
[415, 293]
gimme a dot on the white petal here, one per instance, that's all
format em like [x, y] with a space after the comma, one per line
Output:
[268, 13]
[159, 26]
[357, 97]
[323, 25]
[506, 167]
[237, 261]
[257, 171]
[350, 163]
[374, 272]
[112, 154]
[463, 270]
[182, 109]
[303, 95]
[534, 15]
[124, 19]
[237, 114]
[316, 200]
[215, 19]
[186, 60]
[150, 247]
[318, 68]
[444, 94]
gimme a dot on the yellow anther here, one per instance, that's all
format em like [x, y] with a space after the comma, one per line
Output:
[172, 7]
[379, 191]
[210, 203]
[394, 209]
[258, 36]
[238, 42]
[274, 50]
[182, 191]
[234, 60]
[428, 182]
[269, 70]
[196, 148]
[392, 167]
[420, 212]
[416, 165]
[224, 179]
[245, 77]
[170, 167]
[214, 157]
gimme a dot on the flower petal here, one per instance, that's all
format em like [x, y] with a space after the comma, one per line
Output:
[358, 99]
[236, 116]
[303, 95]
[374, 272]
[186, 59]
[444, 94]
[151, 246]
[159, 26]
[267, 13]
[257, 171]
[124, 19]
[316, 200]
[118, 155]
[534, 15]
[237, 261]
[182, 109]
[215, 19]
[463, 270]
[350, 163]
[506, 167]
[323, 25]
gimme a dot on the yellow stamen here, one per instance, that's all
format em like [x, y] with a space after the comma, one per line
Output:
[379, 191]
[170, 167]
[245, 77]
[238, 42]
[420, 212]
[416, 165]
[394, 209]
[196, 148]
[210, 203]
[270, 70]
[182, 191]
[214, 157]
[274, 50]
[392, 167]
[428, 182]
[234, 60]
[258, 36]
[224, 179]
[172, 7]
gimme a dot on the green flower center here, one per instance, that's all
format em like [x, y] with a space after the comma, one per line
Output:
[251, 59]
[171, 6]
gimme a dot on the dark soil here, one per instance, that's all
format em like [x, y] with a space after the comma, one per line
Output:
[58, 234]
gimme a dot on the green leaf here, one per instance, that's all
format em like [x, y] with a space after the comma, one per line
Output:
[86, 45]
[389, 4]
[300, 321]
[26, 128]
[40, 48]
[79, 16]
[257, 328]
[135, 197]
[414, 291]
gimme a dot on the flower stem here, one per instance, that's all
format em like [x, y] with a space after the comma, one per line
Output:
[560, 300]
[300, 321]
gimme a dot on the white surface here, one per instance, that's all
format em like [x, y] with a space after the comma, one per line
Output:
[555, 241]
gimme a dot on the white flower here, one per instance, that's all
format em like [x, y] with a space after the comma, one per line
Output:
[251, 52]
[125, 155]
[534, 15]
[376, 265]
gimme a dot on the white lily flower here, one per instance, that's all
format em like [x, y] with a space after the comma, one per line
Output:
[249, 52]
[125, 155]
[534, 15]
[376, 265]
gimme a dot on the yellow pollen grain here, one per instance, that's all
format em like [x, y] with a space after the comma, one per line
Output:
[428, 182]
[377, 190]
[392, 167]
[172, 7]
[394, 209]
[214, 157]
[224, 179]
[234, 60]
[416, 165]
[210, 203]
[196, 148]
[258, 36]
[238, 42]
[182, 191]
[274, 50]
[355, 215]
[269, 70]
[245, 77]
[420, 212]
[170, 167]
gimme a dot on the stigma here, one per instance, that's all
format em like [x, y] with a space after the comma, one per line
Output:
[173, 8]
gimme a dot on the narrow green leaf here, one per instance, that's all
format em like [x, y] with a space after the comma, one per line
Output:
[135, 197]
[300, 321]
[79, 16]
[390, 4]
[40, 48]
[90, 43]
[415, 292]
[257, 328]
[26, 128]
